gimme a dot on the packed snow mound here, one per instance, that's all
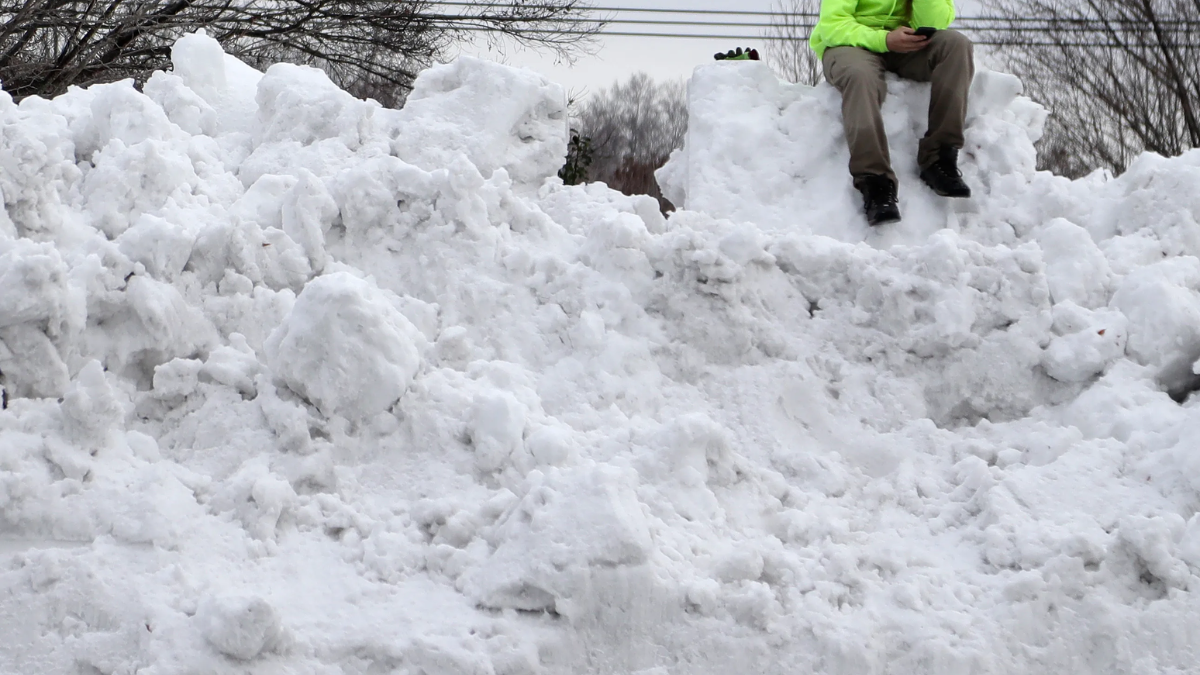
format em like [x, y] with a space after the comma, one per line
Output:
[773, 153]
[296, 383]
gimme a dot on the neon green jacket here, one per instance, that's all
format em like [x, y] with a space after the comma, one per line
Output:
[866, 23]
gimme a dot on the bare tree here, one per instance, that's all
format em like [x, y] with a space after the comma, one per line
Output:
[370, 47]
[632, 128]
[1119, 76]
[787, 48]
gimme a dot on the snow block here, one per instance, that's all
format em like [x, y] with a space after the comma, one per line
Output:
[301, 104]
[1076, 269]
[240, 627]
[1088, 342]
[498, 117]
[1162, 302]
[222, 82]
[345, 347]
[90, 405]
[568, 521]
[39, 315]
[497, 425]
[37, 166]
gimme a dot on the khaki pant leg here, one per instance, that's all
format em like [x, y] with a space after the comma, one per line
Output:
[949, 64]
[858, 74]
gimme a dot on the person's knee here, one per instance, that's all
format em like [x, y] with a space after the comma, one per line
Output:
[857, 77]
[952, 42]
[865, 90]
[852, 62]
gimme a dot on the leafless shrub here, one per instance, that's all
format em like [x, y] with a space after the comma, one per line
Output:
[633, 128]
[787, 49]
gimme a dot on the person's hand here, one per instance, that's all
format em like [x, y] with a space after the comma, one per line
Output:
[905, 40]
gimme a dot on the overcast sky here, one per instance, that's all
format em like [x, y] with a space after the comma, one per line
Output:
[617, 58]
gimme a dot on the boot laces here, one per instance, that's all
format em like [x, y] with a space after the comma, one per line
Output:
[880, 191]
[947, 163]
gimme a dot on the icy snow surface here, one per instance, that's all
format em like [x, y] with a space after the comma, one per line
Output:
[297, 384]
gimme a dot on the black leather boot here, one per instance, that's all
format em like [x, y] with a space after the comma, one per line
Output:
[879, 199]
[943, 176]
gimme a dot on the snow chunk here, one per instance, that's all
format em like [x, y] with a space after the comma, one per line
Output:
[222, 81]
[37, 309]
[256, 497]
[90, 405]
[129, 180]
[1076, 269]
[569, 520]
[499, 117]
[118, 112]
[241, 627]
[1163, 306]
[233, 366]
[301, 104]
[1086, 351]
[156, 325]
[34, 277]
[345, 347]
[992, 92]
[37, 167]
[163, 248]
[187, 109]
[1152, 541]
[262, 203]
[1189, 544]
[307, 216]
[694, 444]
[178, 377]
[497, 426]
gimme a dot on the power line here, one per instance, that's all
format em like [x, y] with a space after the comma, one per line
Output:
[730, 24]
[500, 19]
[487, 22]
[994, 30]
[811, 15]
[656, 10]
[579, 20]
[723, 36]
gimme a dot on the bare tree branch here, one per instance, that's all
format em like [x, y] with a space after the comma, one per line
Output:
[1119, 76]
[787, 49]
[368, 46]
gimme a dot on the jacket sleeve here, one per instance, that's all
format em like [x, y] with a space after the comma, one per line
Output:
[840, 29]
[937, 14]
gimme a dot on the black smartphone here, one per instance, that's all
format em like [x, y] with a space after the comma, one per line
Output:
[926, 32]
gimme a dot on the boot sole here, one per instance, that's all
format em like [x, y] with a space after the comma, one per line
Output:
[943, 193]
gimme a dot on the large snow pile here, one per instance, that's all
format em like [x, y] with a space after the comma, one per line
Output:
[298, 384]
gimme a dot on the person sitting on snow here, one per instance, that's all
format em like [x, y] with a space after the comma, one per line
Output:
[857, 41]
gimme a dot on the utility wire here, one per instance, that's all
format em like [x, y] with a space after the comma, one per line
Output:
[658, 10]
[990, 26]
[1046, 29]
[811, 15]
[724, 36]
[729, 24]
[484, 22]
